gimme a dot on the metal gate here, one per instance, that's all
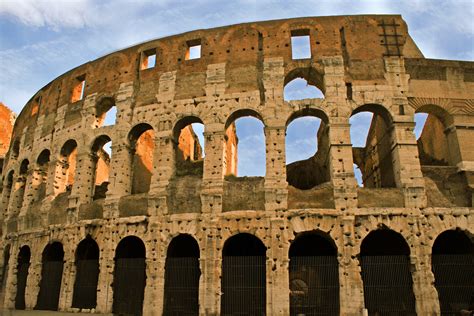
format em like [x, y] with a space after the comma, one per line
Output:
[129, 286]
[454, 280]
[182, 286]
[314, 285]
[21, 277]
[85, 286]
[50, 286]
[243, 285]
[388, 285]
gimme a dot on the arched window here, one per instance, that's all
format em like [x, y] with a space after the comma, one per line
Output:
[87, 274]
[244, 150]
[307, 141]
[101, 150]
[303, 83]
[66, 170]
[106, 112]
[371, 138]
[182, 277]
[15, 149]
[40, 177]
[188, 140]
[142, 143]
[20, 186]
[129, 276]
[243, 282]
[51, 277]
[314, 276]
[22, 276]
[386, 273]
[453, 268]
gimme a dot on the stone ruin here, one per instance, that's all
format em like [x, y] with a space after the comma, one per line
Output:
[147, 225]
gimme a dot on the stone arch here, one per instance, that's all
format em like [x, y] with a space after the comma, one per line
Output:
[313, 274]
[375, 160]
[312, 76]
[142, 138]
[243, 255]
[100, 166]
[182, 273]
[313, 171]
[129, 276]
[188, 150]
[453, 268]
[386, 273]
[51, 277]
[104, 111]
[66, 169]
[87, 274]
[15, 149]
[23, 264]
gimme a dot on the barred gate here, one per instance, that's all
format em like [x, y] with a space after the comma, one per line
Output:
[129, 286]
[182, 286]
[243, 285]
[388, 285]
[85, 286]
[454, 280]
[314, 285]
[50, 286]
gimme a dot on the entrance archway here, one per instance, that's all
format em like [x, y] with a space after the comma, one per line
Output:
[22, 276]
[87, 274]
[51, 277]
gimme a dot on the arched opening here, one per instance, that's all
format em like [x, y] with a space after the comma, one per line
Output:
[66, 170]
[8, 191]
[371, 138]
[188, 140]
[182, 274]
[15, 149]
[244, 150]
[307, 138]
[129, 276]
[51, 276]
[314, 275]
[40, 176]
[385, 268]
[87, 274]
[243, 282]
[101, 151]
[142, 146]
[431, 132]
[453, 268]
[303, 83]
[21, 276]
[4, 271]
[20, 186]
[106, 112]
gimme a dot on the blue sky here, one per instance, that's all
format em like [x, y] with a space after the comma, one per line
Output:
[41, 39]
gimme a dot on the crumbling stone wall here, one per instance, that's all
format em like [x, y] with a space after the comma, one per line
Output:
[242, 71]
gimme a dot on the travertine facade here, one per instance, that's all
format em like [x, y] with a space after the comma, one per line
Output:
[53, 198]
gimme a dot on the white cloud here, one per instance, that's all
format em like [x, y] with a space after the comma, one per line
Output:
[51, 13]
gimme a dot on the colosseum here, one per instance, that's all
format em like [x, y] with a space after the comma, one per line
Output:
[128, 217]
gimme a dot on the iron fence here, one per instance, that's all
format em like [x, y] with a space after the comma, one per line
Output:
[85, 285]
[129, 286]
[50, 286]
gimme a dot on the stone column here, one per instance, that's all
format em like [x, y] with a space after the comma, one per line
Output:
[278, 279]
[406, 164]
[106, 274]
[154, 289]
[351, 293]
[342, 164]
[211, 271]
[212, 182]
[67, 281]
[33, 280]
[163, 170]
[29, 192]
[16, 197]
[11, 279]
[426, 296]
[276, 187]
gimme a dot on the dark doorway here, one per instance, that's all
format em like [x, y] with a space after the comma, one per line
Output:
[385, 265]
[182, 277]
[314, 276]
[453, 268]
[87, 274]
[22, 276]
[243, 276]
[129, 277]
[51, 276]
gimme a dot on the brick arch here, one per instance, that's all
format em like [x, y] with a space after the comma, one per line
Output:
[137, 130]
[182, 122]
[255, 231]
[242, 113]
[375, 108]
[407, 235]
[435, 231]
[311, 74]
[310, 111]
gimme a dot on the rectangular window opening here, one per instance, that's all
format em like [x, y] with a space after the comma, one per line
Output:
[300, 44]
[193, 50]
[78, 90]
[148, 59]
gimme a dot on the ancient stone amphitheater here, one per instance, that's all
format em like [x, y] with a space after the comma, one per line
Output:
[155, 229]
